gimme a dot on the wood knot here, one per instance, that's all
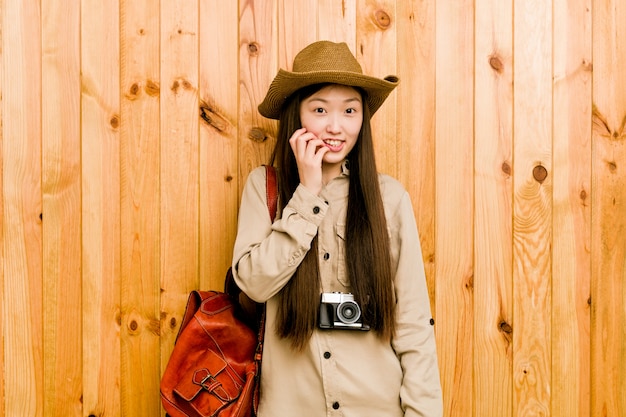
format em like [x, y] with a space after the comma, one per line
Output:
[152, 88]
[228, 178]
[133, 325]
[173, 322]
[253, 49]
[212, 118]
[177, 84]
[257, 134]
[469, 284]
[612, 165]
[505, 327]
[115, 122]
[506, 168]
[540, 173]
[133, 92]
[496, 64]
[382, 19]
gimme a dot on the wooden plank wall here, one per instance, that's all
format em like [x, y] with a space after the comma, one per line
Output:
[129, 127]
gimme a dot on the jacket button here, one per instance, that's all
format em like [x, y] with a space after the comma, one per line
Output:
[336, 405]
[327, 355]
[326, 256]
[316, 210]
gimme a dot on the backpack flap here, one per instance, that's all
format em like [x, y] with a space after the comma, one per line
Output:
[210, 384]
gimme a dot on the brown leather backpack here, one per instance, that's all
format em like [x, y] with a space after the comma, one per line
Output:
[214, 369]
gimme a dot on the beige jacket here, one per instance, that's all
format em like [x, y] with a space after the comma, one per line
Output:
[342, 372]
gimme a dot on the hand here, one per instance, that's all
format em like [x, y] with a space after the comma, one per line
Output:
[309, 152]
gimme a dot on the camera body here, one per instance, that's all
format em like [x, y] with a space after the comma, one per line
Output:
[339, 311]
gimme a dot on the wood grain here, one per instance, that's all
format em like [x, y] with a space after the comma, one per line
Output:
[219, 180]
[532, 208]
[61, 192]
[493, 202]
[415, 131]
[571, 272]
[179, 170]
[376, 52]
[2, 260]
[258, 64]
[128, 131]
[297, 28]
[22, 301]
[140, 208]
[337, 21]
[101, 223]
[608, 211]
[454, 195]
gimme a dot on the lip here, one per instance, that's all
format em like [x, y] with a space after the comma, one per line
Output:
[335, 145]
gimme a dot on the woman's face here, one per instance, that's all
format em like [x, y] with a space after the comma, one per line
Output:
[334, 114]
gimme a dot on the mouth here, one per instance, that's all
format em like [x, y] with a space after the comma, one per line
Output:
[333, 144]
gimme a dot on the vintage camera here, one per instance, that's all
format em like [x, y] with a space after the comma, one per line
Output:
[339, 311]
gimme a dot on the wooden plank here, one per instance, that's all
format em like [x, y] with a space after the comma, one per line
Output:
[258, 64]
[219, 184]
[532, 222]
[608, 205]
[140, 207]
[377, 54]
[2, 261]
[454, 202]
[61, 190]
[416, 121]
[493, 270]
[179, 186]
[337, 21]
[297, 28]
[22, 309]
[571, 262]
[101, 223]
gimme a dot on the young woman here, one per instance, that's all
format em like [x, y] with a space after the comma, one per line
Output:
[348, 329]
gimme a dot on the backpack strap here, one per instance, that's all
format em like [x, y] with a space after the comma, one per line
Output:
[271, 190]
[272, 204]
[271, 193]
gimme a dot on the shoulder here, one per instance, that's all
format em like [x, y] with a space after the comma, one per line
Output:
[256, 177]
[391, 189]
[257, 174]
[255, 185]
[396, 199]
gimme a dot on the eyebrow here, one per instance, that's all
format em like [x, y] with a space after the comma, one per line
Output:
[348, 100]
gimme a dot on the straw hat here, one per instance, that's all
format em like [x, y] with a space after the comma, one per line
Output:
[325, 62]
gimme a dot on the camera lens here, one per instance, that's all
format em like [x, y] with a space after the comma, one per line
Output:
[348, 312]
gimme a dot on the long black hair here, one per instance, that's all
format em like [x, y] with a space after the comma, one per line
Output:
[368, 259]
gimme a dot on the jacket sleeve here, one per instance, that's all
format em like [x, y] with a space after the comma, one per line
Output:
[414, 341]
[265, 255]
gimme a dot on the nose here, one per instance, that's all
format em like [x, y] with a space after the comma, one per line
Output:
[333, 125]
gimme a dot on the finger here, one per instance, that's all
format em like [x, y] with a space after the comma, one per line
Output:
[320, 152]
[298, 141]
[313, 145]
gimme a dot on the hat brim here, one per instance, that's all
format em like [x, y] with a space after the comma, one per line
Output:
[286, 83]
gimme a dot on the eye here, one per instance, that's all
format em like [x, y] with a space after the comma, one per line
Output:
[319, 110]
[351, 111]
